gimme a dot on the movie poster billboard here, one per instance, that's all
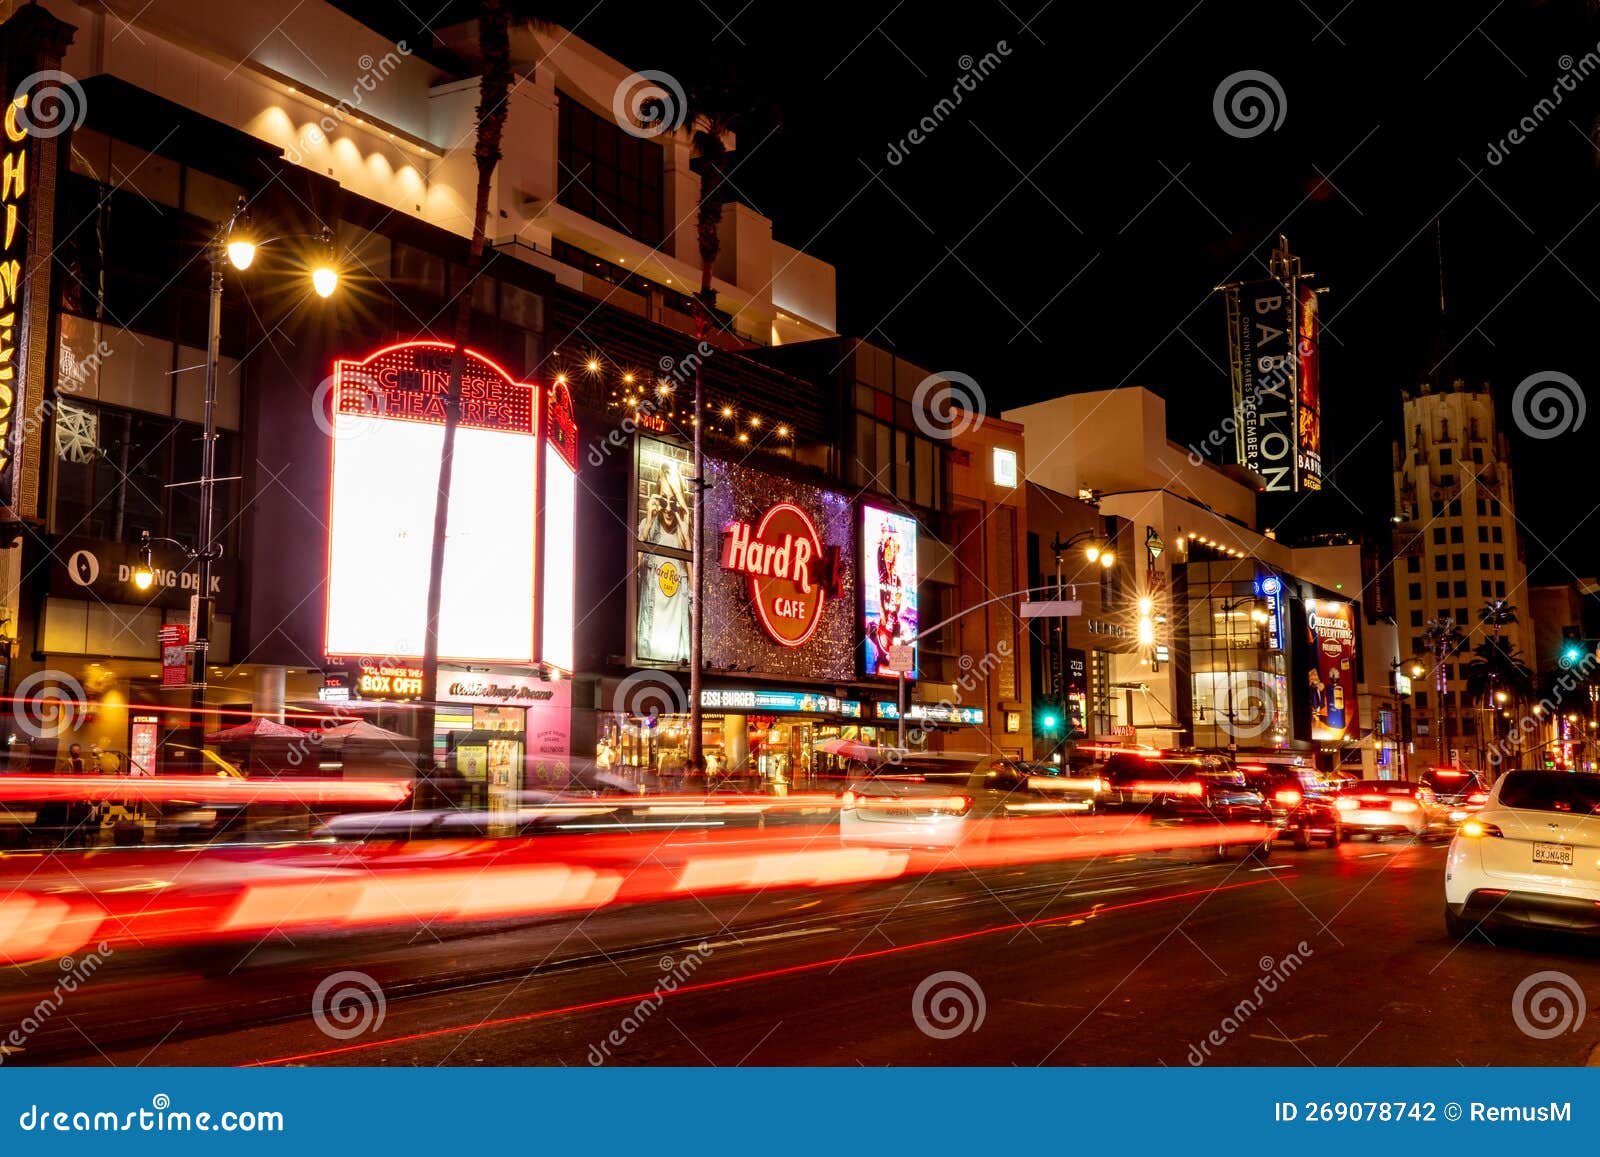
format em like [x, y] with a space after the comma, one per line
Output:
[665, 496]
[1308, 419]
[889, 587]
[1330, 669]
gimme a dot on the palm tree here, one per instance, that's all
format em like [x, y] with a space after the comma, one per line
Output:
[495, 20]
[1496, 670]
[713, 113]
[1443, 638]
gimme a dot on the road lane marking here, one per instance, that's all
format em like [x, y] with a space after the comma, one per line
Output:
[740, 943]
[1099, 892]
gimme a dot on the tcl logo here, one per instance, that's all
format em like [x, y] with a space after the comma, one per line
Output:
[783, 558]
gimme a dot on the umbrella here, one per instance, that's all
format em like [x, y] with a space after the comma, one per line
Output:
[254, 730]
[849, 748]
[360, 729]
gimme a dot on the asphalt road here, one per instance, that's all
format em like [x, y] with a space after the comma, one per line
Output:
[1327, 957]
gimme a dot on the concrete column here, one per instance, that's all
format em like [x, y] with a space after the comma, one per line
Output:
[269, 692]
[735, 741]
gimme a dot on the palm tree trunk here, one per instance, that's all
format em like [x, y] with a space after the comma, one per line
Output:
[494, 38]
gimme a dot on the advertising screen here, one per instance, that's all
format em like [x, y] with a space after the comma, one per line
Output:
[559, 599]
[888, 587]
[1309, 418]
[387, 435]
[665, 496]
[661, 629]
[1330, 673]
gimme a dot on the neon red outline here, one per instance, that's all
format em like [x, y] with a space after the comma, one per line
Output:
[755, 594]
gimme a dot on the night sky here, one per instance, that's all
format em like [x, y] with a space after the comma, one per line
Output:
[1064, 227]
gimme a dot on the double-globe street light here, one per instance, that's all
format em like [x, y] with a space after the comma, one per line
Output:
[235, 242]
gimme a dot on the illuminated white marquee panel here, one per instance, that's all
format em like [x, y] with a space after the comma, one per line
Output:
[388, 432]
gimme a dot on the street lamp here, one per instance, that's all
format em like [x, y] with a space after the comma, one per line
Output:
[1096, 549]
[234, 242]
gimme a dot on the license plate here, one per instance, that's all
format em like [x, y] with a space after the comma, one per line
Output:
[1552, 854]
[899, 813]
[1141, 797]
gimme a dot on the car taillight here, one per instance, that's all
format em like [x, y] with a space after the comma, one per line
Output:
[1403, 805]
[1478, 797]
[1475, 829]
[848, 799]
[1287, 796]
[1346, 804]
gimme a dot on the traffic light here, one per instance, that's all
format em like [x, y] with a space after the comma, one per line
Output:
[1050, 721]
[1573, 647]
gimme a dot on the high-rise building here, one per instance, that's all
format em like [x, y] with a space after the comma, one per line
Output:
[1457, 551]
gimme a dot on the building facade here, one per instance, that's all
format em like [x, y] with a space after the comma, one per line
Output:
[1457, 550]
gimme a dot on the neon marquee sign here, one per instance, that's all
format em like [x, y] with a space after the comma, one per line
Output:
[784, 560]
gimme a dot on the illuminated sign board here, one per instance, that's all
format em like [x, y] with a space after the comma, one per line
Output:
[782, 556]
[1308, 409]
[13, 284]
[1274, 338]
[764, 700]
[388, 431]
[388, 681]
[931, 712]
[1330, 671]
[888, 587]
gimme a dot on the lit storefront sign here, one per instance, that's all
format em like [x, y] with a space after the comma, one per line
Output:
[763, 700]
[779, 584]
[13, 285]
[512, 507]
[388, 681]
[1270, 588]
[1330, 673]
[781, 556]
[888, 587]
[930, 712]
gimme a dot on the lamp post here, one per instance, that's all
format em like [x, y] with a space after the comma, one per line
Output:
[235, 243]
[1097, 549]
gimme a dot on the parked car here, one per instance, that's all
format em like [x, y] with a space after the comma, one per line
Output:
[1180, 788]
[1529, 857]
[926, 798]
[1302, 807]
[1391, 807]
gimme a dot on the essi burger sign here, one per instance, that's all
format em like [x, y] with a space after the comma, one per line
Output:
[782, 558]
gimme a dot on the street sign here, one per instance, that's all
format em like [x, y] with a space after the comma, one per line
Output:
[1052, 608]
[902, 657]
[174, 640]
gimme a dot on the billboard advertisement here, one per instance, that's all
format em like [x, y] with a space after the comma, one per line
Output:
[888, 587]
[661, 624]
[388, 430]
[1274, 352]
[1330, 669]
[1308, 417]
[664, 495]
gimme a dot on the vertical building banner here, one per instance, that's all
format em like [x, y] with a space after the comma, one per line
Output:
[1330, 669]
[42, 107]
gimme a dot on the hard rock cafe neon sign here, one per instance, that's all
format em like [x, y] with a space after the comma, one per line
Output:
[783, 558]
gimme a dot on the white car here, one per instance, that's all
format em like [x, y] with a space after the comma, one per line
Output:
[1530, 857]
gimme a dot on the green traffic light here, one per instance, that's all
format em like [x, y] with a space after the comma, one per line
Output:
[1049, 722]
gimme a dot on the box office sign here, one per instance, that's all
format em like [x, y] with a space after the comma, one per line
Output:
[96, 570]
